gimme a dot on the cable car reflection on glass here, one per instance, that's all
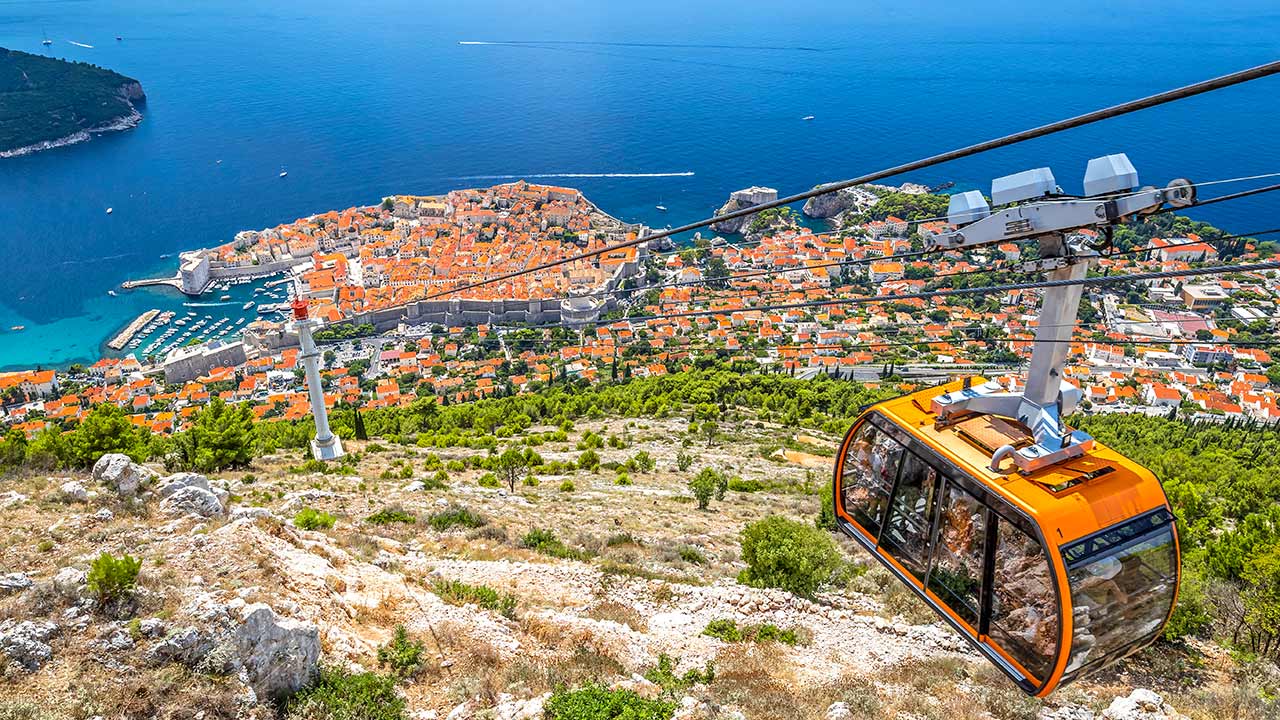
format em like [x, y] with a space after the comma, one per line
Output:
[1049, 574]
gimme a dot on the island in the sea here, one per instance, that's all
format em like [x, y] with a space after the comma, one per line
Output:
[47, 103]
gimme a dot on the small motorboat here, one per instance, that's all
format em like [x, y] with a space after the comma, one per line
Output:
[18, 328]
[807, 117]
[110, 210]
[112, 293]
[283, 172]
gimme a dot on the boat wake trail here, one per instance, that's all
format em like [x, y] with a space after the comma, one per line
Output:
[73, 42]
[217, 304]
[695, 46]
[687, 173]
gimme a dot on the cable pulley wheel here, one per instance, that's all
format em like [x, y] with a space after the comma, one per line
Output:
[1180, 193]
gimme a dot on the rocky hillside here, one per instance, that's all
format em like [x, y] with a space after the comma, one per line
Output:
[267, 590]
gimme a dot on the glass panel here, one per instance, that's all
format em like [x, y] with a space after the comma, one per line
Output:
[906, 533]
[956, 576]
[1121, 594]
[1024, 612]
[870, 467]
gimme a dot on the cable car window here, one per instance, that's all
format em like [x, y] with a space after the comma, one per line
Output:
[1121, 593]
[1024, 609]
[956, 576]
[906, 532]
[870, 467]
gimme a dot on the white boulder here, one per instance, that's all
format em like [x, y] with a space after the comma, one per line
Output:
[26, 643]
[14, 583]
[118, 472]
[279, 655]
[193, 500]
[73, 491]
[1141, 704]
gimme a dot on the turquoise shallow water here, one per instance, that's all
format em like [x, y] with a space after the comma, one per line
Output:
[362, 100]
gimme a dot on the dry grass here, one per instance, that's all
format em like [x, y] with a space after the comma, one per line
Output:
[619, 613]
[388, 611]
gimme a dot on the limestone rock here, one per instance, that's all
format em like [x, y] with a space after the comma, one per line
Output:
[461, 712]
[511, 709]
[832, 204]
[70, 583]
[151, 627]
[1065, 712]
[73, 491]
[1141, 704]
[118, 472]
[249, 513]
[839, 711]
[11, 498]
[740, 200]
[103, 515]
[26, 643]
[186, 645]
[279, 655]
[14, 583]
[173, 484]
[193, 500]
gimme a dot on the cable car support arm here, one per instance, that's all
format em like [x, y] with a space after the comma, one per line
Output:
[1046, 215]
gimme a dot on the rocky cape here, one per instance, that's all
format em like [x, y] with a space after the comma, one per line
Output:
[47, 103]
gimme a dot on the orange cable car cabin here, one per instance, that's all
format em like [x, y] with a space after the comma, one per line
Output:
[1049, 574]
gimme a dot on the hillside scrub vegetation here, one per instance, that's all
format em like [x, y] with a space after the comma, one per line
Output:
[44, 99]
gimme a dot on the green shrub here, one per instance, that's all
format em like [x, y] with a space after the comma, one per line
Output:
[403, 655]
[664, 676]
[594, 702]
[530, 480]
[739, 485]
[455, 592]
[312, 519]
[567, 486]
[826, 519]
[590, 441]
[439, 481]
[723, 629]
[488, 480]
[616, 442]
[790, 555]
[1193, 615]
[727, 630]
[389, 515]
[432, 462]
[588, 460]
[684, 460]
[455, 516]
[622, 538]
[111, 578]
[455, 466]
[545, 542]
[643, 462]
[339, 694]
[622, 479]
[691, 554]
[707, 484]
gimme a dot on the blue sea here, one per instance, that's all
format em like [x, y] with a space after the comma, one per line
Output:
[360, 100]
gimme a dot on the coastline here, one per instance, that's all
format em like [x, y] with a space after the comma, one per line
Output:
[124, 122]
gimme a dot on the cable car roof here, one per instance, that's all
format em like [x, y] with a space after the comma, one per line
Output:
[1069, 500]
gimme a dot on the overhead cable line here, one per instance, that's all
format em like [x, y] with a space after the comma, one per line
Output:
[1088, 118]
[864, 300]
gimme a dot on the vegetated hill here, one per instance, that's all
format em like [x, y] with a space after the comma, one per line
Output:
[45, 100]
[544, 554]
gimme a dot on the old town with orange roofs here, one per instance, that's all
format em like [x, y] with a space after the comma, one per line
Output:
[394, 283]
